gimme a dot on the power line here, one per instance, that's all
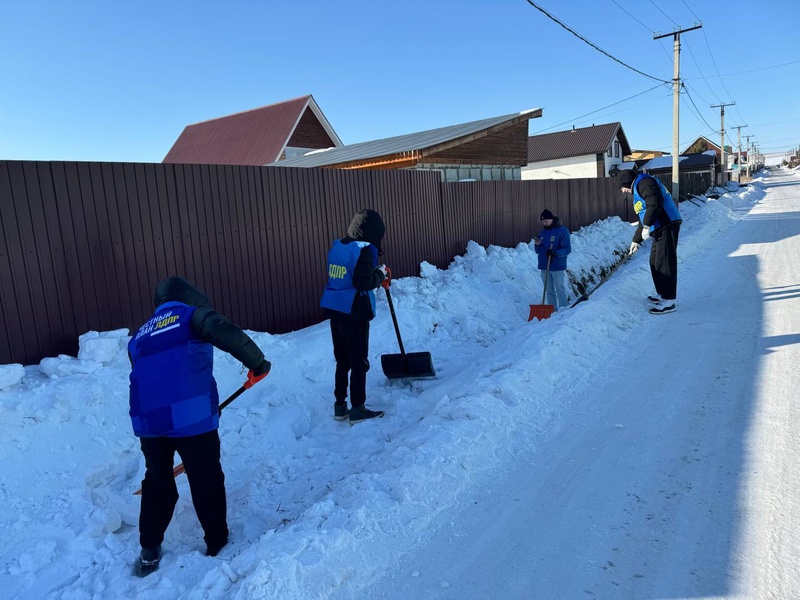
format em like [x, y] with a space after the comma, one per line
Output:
[690, 10]
[598, 110]
[669, 58]
[697, 110]
[714, 62]
[775, 123]
[754, 70]
[627, 108]
[695, 92]
[663, 13]
[699, 70]
[632, 17]
[595, 46]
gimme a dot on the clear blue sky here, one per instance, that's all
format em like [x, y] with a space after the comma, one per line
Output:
[113, 81]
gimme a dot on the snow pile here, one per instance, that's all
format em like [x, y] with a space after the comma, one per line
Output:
[315, 504]
[10, 375]
[95, 350]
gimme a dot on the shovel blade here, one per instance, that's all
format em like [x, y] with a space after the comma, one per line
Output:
[409, 365]
[541, 311]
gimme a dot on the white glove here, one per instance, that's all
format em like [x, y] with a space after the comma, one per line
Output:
[384, 270]
[634, 247]
[645, 232]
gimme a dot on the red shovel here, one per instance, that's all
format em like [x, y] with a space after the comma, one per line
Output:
[543, 311]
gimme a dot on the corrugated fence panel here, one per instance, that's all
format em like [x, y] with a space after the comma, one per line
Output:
[33, 244]
[82, 245]
[17, 297]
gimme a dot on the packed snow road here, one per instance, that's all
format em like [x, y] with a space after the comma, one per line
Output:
[674, 473]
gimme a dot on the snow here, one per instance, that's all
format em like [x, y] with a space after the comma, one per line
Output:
[600, 453]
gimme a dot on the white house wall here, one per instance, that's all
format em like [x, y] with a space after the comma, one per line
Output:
[617, 157]
[572, 167]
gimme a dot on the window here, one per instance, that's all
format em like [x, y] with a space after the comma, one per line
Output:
[616, 148]
[609, 152]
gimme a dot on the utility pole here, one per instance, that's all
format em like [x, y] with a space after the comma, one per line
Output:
[676, 104]
[749, 155]
[722, 133]
[738, 129]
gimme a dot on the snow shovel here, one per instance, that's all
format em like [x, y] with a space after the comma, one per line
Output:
[543, 311]
[602, 281]
[405, 364]
[180, 468]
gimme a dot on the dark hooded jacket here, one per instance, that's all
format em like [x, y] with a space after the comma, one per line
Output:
[560, 243]
[211, 326]
[650, 192]
[366, 226]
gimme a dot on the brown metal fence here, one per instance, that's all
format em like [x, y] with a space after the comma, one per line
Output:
[82, 245]
[690, 184]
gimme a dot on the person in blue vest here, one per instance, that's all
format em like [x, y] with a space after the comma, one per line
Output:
[174, 406]
[349, 302]
[659, 219]
[553, 243]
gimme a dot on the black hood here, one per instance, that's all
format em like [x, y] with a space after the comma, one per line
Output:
[177, 289]
[367, 226]
[625, 178]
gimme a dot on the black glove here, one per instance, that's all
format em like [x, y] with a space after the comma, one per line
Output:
[263, 368]
[551, 252]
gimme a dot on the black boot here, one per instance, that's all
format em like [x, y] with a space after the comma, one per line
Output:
[148, 561]
[362, 413]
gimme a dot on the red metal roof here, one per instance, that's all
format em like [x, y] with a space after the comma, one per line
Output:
[253, 137]
[576, 142]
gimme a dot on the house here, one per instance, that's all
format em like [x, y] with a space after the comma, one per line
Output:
[701, 162]
[575, 153]
[256, 137]
[703, 144]
[489, 149]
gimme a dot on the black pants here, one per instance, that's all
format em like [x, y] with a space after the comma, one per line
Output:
[200, 456]
[664, 261]
[351, 351]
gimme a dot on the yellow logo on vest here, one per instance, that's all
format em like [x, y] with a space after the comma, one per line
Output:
[638, 206]
[336, 271]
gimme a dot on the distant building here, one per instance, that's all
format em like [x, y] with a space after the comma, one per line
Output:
[575, 153]
[700, 162]
[489, 149]
[256, 137]
[645, 155]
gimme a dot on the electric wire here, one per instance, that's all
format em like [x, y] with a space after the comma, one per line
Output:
[690, 10]
[632, 17]
[652, 32]
[697, 110]
[699, 70]
[598, 110]
[593, 45]
[663, 13]
[755, 70]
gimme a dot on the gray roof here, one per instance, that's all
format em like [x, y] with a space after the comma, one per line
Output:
[701, 161]
[576, 142]
[403, 143]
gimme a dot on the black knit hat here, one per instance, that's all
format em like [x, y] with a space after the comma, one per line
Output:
[546, 214]
[625, 178]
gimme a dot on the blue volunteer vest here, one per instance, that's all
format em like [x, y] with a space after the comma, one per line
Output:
[339, 292]
[173, 392]
[640, 208]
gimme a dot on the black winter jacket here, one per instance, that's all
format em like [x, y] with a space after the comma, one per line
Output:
[654, 201]
[211, 326]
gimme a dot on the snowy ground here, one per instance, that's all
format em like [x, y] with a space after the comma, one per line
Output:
[603, 453]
